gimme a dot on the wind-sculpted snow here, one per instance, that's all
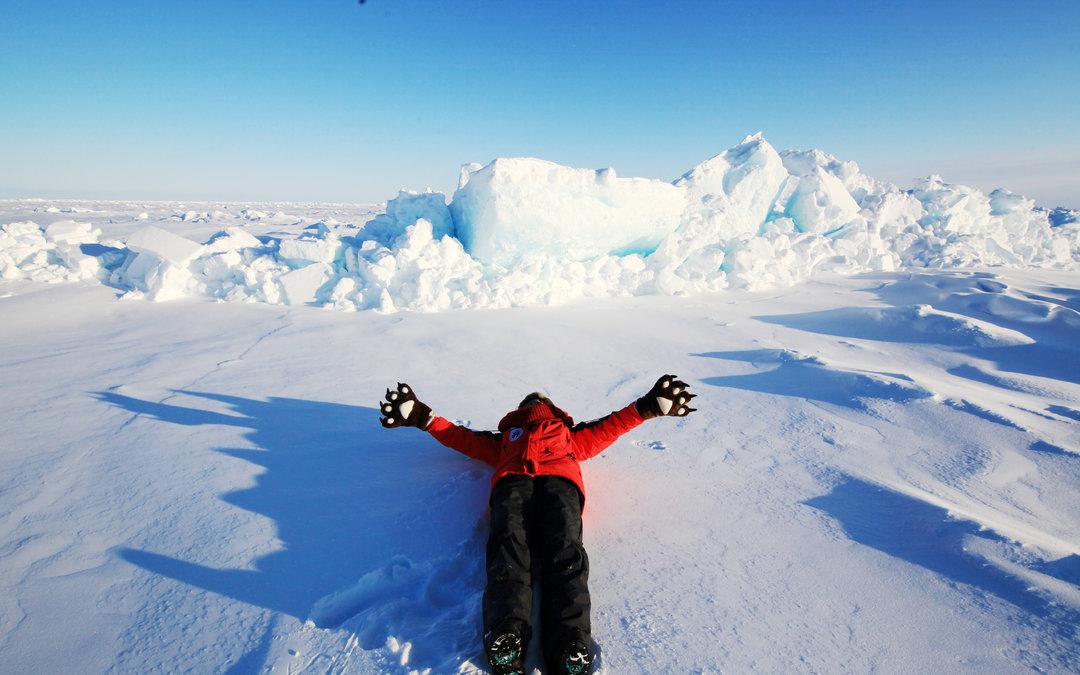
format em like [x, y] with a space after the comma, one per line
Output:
[785, 373]
[526, 231]
[912, 323]
[882, 476]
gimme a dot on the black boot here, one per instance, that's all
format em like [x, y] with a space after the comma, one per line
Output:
[573, 657]
[505, 648]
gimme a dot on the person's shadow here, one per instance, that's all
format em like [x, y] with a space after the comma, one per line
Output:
[345, 495]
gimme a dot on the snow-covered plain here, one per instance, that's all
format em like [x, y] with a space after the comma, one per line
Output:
[882, 475]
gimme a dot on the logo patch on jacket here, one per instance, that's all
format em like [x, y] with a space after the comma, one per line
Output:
[515, 433]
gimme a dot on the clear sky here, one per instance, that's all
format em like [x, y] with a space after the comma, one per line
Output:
[343, 101]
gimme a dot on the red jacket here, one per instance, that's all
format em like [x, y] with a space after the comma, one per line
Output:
[540, 440]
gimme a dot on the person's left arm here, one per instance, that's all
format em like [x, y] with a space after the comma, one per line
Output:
[668, 397]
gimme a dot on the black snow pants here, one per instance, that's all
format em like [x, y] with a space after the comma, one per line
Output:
[537, 520]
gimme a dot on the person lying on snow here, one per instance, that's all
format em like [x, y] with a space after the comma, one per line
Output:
[536, 502]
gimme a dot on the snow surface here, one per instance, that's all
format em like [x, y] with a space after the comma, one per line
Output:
[882, 474]
[523, 231]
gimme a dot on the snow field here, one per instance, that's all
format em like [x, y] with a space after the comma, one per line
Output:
[525, 231]
[881, 476]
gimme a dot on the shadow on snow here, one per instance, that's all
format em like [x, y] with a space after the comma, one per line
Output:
[1053, 355]
[922, 534]
[808, 379]
[349, 500]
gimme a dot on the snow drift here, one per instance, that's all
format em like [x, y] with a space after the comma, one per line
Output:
[526, 231]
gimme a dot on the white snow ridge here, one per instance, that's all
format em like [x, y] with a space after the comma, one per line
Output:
[525, 231]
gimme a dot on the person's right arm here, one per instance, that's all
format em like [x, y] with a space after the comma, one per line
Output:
[481, 445]
[401, 408]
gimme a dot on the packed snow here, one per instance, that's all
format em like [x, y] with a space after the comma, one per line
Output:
[881, 475]
[523, 231]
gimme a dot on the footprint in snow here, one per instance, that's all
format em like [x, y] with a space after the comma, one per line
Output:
[651, 445]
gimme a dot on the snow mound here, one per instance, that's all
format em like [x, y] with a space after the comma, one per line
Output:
[991, 301]
[52, 253]
[527, 231]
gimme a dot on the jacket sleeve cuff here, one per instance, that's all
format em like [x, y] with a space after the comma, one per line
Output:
[438, 424]
[631, 414]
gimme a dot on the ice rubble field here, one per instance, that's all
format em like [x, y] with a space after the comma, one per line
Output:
[882, 475]
[526, 231]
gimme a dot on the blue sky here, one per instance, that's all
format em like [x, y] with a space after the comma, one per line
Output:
[337, 100]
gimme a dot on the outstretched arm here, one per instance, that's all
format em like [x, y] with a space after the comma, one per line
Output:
[591, 438]
[401, 408]
[481, 445]
[668, 397]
